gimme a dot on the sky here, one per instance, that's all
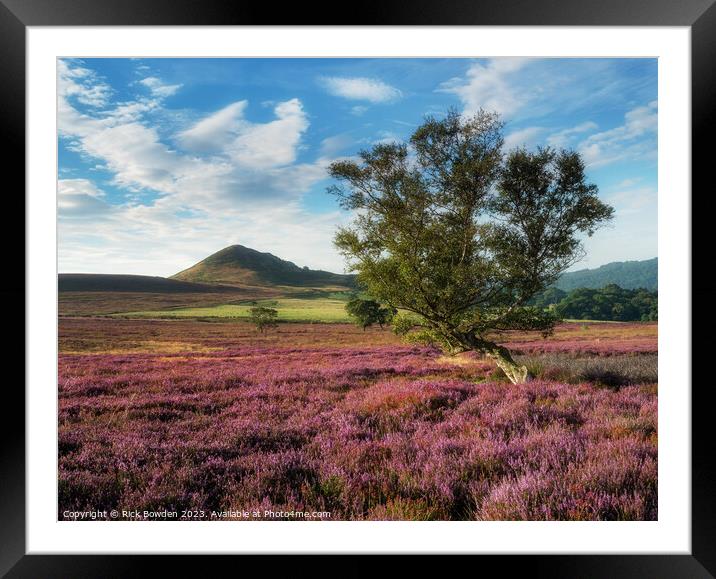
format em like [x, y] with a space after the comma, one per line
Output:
[164, 161]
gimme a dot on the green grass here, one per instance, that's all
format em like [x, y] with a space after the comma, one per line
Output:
[289, 310]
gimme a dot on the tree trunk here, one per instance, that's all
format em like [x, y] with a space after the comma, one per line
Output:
[502, 357]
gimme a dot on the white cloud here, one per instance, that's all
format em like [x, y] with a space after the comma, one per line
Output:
[158, 88]
[70, 187]
[82, 84]
[248, 161]
[635, 139]
[214, 132]
[522, 88]
[628, 182]
[632, 200]
[274, 143]
[386, 137]
[361, 88]
[565, 136]
[72, 84]
[252, 145]
[77, 198]
[132, 111]
[135, 155]
[488, 86]
[94, 93]
[526, 137]
[331, 146]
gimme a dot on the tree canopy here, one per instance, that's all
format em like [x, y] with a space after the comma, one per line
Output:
[369, 312]
[609, 303]
[459, 235]
[263, 318]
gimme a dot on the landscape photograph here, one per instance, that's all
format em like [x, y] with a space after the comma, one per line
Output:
[353, 289]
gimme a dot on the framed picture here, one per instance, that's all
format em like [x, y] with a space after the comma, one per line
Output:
[382, 286]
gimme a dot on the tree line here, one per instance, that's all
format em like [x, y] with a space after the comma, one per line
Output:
[610, 303]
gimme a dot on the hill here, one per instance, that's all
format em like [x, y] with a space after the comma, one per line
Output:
[101, 282]
[625, 274]
[241, 265]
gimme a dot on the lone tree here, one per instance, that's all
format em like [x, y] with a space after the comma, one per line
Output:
[461, 236]
[369, 312]
[263, 318]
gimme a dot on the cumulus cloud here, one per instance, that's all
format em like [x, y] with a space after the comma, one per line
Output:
[253, 145]
[221, 158]
[274, 143]
[372, 90]
[488, 86]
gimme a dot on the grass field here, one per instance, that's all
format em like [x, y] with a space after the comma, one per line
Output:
[322, 309]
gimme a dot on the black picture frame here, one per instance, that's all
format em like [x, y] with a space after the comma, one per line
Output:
[17, 15]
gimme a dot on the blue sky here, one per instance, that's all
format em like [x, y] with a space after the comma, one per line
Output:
[164, 161]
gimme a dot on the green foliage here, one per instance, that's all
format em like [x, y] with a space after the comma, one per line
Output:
[369, 312]
[550, 296]
[460, 235]
[610, 303]
[402, 323]
[263, 318]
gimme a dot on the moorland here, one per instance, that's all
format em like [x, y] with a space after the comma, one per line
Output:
[170, 399]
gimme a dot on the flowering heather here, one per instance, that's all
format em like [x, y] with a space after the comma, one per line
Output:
[584, 338]
[185, 415]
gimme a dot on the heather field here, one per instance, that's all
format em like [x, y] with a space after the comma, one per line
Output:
[210, 417]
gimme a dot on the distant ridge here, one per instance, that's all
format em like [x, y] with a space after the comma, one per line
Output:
[626, 274]
[241, 265]
[107, 282]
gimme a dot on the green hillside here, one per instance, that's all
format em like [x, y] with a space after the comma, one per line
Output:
[625, 274]
[237, 264]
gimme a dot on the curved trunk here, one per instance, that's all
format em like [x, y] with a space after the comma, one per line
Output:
[502, 357]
